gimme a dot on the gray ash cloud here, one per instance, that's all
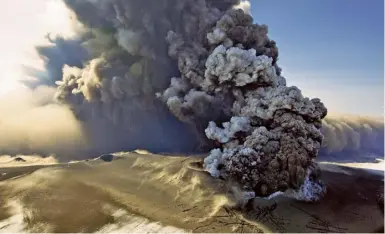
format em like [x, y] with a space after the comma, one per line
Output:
[183, 76]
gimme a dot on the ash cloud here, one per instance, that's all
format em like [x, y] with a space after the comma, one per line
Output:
[180, 76]
[106, 77]
[352, 138]
[245, 5]
[114, 92]
[267, 134]
[31, 123]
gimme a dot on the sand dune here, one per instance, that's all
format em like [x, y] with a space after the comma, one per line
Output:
[154, 193]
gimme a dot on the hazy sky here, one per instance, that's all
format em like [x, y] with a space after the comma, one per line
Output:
[26, 22]
[332, 49]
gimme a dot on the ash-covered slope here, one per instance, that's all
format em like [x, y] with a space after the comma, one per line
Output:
[98, 196]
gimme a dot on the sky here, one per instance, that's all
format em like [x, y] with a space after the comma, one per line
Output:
[26, 23]
[331, 49]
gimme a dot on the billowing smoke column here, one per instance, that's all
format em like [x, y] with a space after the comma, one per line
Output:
[226, 84]
[273, 133]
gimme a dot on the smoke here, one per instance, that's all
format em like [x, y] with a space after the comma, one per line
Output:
[270, 133]
[111, 85]
[56, 54]
[105, 73]
[176, 76]
[352, 138]
[31, 122]
[245, 5]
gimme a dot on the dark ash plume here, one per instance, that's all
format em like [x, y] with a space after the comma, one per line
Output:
[270, 133]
